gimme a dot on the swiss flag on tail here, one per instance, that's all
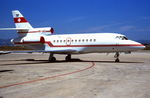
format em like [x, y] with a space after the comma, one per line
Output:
[22, 24]
[19, 20]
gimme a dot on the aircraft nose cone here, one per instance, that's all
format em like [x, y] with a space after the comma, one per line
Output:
[136, 45]
[139, 46]
[142, 46]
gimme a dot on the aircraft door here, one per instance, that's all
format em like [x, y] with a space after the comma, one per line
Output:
[68, 41]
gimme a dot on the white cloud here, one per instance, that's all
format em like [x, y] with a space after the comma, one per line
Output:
[145, 29]
[103, 28]
[126, 28]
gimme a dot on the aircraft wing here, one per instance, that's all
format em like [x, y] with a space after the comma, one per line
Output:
[4, 52]
[41, 51]
[66, 51]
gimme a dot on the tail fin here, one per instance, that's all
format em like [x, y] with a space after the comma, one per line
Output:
[20, 21]
[24, 28]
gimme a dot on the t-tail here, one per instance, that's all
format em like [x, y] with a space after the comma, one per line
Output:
[27, 35]
[20, 21]
[24, 28]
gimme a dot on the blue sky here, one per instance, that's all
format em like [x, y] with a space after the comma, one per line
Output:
[129, 17]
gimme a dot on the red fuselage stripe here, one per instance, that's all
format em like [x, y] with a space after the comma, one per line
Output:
[51, 45]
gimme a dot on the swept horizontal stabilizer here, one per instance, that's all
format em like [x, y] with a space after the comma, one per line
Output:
[18, 29]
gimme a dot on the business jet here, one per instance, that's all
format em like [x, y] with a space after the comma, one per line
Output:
[43, 40]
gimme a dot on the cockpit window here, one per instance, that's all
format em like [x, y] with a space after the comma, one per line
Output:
[121, 37]
[124, 38]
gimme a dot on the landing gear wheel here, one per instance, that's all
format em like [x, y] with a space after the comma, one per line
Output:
[68, 57]
[51, 58]
[117, 60]
[117, 57]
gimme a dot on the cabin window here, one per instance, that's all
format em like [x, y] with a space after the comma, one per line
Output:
[79, 40]
[83, 40]
[54, 41]
[94, 40]
[64, 41]
[90, 40]
[61, 41]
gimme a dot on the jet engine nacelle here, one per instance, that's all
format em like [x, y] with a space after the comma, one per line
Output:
[17, 40]
[29, 40]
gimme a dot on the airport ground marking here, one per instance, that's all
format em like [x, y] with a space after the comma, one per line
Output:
[50, 77]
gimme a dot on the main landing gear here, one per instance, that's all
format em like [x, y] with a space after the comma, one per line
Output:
[68, 57]
[117, 57]
[51, 58]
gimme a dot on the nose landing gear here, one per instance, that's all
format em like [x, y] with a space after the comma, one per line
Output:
[117, 57]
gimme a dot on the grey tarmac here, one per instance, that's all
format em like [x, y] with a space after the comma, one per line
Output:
[35, 77]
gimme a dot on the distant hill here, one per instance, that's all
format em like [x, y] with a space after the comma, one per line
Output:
[145, 42]
[5, 42]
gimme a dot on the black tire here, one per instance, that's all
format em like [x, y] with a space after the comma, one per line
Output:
[68, 58]
[117, 60]
[53, 59]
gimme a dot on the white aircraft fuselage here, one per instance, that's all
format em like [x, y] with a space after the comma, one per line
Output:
[80, 43]
[42, 40]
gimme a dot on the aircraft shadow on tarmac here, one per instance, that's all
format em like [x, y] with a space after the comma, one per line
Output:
[33, 61]
[1, 71]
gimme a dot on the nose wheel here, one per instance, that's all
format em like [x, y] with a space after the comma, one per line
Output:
[117, 57]
[117, 60]
[51, 58]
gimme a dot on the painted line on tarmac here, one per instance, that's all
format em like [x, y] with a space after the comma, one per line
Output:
[50, 77]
